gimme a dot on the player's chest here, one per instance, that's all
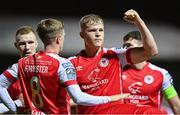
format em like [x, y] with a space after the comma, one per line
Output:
[139, 83]
[92, 70]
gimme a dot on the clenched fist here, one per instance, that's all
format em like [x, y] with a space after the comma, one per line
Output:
[132, 16]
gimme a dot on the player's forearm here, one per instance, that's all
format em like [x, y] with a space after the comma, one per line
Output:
[149, 44]
[4, 95]
[85, 99]
[175, 104]
[3, 108]
[176, 110]
[6, 99]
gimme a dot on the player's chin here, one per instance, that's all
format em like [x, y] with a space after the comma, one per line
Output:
[98, 44]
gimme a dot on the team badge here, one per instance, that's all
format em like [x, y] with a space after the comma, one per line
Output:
[104, 62]
[148, 79]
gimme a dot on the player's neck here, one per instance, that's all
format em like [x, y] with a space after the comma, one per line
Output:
[52, 48]
[91, 52]
[139, 65]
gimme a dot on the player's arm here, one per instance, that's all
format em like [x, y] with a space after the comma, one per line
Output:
[149, 48]
[173, 99]
[4, 109]
[82, 98]
[72, 103]
[4, 95]
[170, 93]
[67, 76]
[6, 79]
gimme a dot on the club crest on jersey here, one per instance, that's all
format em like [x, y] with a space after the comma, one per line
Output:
[70, 72]
[104, 62]
[148, 79]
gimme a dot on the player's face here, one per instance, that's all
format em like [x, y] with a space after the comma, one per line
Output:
[131, 43]
[26, 44]
[93, 35]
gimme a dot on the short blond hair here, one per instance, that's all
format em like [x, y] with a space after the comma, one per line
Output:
[24, 30]
[90, 19]
[49, 28]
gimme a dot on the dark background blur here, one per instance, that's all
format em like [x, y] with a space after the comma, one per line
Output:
[161, 16]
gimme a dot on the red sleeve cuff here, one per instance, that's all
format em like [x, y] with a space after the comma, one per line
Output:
[68, 83]
[9, 76]
[128, 56]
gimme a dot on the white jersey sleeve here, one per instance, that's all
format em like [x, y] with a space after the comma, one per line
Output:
[4, 95]
[12, 71]
[3, 108]
[5, 81]
[66, 71]
[121, 52]
[167, 80]
[82, 98]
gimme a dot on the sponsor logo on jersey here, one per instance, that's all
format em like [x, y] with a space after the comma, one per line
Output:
[95, 79]
[135, 87]
[66, 65]
[149, 79]
[104, 62]
[139, 97]
[95, 85]
[70, 72]
[93, 76]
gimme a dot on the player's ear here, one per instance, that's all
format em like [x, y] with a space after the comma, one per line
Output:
[81, 34]
[59, 38]
[15, 44]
